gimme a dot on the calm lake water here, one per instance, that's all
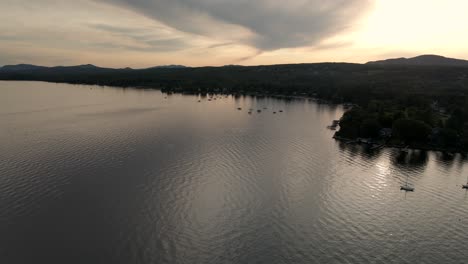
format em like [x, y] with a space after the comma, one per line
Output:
[108, 175]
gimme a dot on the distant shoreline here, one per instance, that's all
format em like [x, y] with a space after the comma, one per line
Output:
[277, 96]
[396, 146]
[422, 105]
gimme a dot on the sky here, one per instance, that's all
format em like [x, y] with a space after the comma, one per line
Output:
[145, 33]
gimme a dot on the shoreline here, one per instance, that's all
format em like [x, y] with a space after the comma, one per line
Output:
[278, 96]
[396, 146]
[143, 87]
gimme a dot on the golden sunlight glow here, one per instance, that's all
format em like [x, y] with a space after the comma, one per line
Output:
[417, 26]
[394, 28]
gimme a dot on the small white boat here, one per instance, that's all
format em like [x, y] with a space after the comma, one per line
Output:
[405, 150]
[377, 146]
[406, 187]
[449, 155]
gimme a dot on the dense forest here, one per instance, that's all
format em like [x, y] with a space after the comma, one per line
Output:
[420, 106]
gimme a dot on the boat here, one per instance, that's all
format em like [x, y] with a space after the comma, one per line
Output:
[377, 146]
[465, 186]
[404, 150]
[334, 125]
[449, 154]
[406, 187]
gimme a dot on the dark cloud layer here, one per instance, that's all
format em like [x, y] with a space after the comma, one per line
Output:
[271, 24]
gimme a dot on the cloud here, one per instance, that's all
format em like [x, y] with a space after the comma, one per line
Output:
[219, 45]
[145, 39]
[263, 24]
[142, 33]
[249, 57]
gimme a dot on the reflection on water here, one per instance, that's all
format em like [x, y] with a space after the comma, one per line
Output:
[415, 159]
[108, 175]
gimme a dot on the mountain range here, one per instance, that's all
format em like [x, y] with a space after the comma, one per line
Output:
[423, 60]
[77, 68]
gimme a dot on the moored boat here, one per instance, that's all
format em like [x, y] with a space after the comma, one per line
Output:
[407, 187]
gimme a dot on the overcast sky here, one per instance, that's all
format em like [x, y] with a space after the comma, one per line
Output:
[142, 33]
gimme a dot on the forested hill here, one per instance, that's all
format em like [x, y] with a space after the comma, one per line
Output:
[424, 60]
[339, 82]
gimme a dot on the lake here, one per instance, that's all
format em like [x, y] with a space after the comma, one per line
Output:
[94, 174]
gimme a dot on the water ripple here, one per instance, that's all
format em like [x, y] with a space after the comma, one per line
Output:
[127, 176]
